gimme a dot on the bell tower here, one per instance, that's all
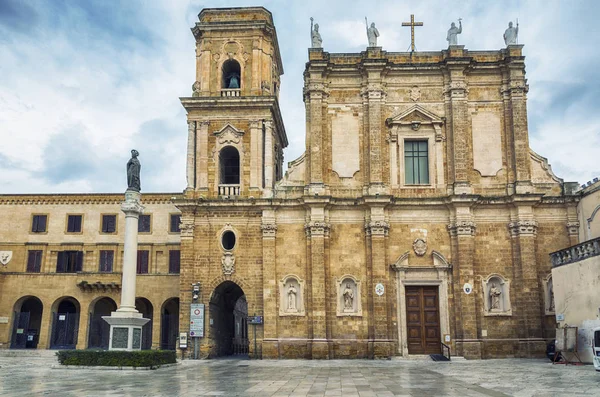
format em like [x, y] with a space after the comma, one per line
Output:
[235, 130]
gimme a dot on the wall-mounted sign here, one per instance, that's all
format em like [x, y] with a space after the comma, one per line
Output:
[255, 319]
[560, 317]
[183, 340]
[379, 289]
[197, 320]
[468, 288]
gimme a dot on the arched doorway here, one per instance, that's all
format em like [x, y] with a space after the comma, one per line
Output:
[229, 312]
[144, 306]
[169, 324]
[65, 323]
[27, 322]
[99, 330]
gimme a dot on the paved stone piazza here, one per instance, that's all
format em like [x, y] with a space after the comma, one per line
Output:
[40, 375]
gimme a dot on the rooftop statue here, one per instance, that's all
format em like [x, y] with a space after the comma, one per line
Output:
[453, 32]
[511, 35]
[372, 33]
[315, 36]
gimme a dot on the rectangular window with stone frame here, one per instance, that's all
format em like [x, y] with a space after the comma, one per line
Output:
[143, 257]
[106, 261]
[34, 261]
[144, 224]
[416, 162]
[174, 224]
[39, 223]
[69, 262]
[174, 261]
[109, 224]
[74, 223]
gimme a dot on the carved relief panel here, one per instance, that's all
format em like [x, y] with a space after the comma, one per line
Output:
[496, 296]
[291, 296]
[348, 296]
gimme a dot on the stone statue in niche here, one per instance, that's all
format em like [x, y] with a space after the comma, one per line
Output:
[315, 36]
[453, 32]
[348, 298]
[511, 34]
[495, 294]
[292, 294]
[133, 172]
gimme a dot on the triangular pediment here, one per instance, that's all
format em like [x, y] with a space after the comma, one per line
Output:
[229, 134]
[414, 114]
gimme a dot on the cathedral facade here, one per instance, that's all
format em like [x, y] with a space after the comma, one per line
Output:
[418, 219]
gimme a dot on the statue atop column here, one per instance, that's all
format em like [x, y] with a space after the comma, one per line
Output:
[453, 32]
[511, 35]
[133, 172]
[315, 36]
[372, 33]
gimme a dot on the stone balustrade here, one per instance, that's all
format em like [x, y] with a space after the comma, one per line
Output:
[229, 190]
[576, 253]
[230, 92]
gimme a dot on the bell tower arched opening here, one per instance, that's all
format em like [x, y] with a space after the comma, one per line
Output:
[231, 75]
[229, 166]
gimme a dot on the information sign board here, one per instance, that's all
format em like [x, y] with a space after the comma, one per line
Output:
[197, 320]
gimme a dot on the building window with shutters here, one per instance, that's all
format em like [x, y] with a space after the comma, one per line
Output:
[143, 257]
[34, 261]
[74, 223]
[416, 163]
[145, 223]
[175, 219]
[109, 224]
[106, 261]
[174, 261]
[69, 262]
[39, 223]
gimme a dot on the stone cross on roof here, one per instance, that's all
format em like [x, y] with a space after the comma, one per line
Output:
[412, 25]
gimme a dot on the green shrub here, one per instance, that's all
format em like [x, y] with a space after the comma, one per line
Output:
[140, 358]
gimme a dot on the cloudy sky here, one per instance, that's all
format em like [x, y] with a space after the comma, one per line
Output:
[82, 82]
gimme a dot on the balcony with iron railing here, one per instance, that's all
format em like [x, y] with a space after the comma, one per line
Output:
[230, 92]
[576, 253]
[229, 189]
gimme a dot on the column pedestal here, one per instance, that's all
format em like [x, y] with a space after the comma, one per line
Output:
[126, 323]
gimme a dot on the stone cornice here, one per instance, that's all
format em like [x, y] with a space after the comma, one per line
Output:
[83, 198]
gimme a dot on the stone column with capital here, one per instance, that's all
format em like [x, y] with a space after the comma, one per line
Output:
[126, 323]
[191, 156]
[270, 344]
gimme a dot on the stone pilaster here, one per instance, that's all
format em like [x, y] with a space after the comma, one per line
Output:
[514, 91]
[317, 231]
[374, 94]
[191, 156]
[380, 327]
[256, 158]
[315, 93]
[459, 132]
[573, 232]
[270, 293]
[202, 155]
[269, 167]
[523, 231]
[462, 231]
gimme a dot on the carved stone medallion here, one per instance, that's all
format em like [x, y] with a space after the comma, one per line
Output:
[5, 257]
[420, 247]
[228, 263]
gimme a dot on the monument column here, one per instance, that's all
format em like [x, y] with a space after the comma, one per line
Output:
[126, 323]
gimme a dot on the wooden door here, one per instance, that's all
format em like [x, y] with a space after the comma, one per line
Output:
[423, 320]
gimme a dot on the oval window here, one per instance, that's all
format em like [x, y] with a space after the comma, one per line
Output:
[228, 240]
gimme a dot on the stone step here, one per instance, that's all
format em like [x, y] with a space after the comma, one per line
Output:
[27, 353]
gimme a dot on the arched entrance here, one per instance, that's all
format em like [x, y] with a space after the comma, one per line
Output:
[99, 330]
[144, 306]
[65, 323]
[27, 322]
[169, 324]
[229, 312]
